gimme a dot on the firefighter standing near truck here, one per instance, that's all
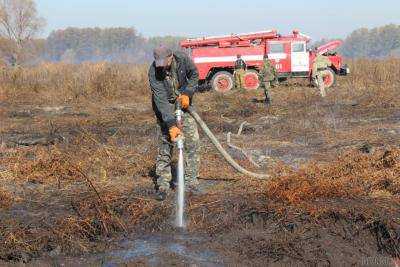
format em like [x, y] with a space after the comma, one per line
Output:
[268, 78]
[240, 70]
[319, 70]
[174, 77]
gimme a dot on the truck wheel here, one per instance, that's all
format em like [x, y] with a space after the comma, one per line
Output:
[222, 82]
[251, 80]
[329, 78]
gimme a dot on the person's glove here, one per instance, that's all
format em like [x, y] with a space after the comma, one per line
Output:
[185, 101]
[174, 133]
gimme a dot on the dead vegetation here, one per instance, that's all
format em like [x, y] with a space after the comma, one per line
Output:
[335, 163]
[63, 83]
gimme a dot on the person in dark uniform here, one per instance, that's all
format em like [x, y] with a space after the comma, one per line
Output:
[174, 77]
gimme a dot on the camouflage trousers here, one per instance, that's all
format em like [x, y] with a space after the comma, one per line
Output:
[319, 78]
[267, 87]
[191, 154]
[239, 78]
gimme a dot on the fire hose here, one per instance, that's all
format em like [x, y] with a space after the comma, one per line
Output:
[221, 150]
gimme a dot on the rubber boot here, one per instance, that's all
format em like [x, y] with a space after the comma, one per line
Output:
[161, 195]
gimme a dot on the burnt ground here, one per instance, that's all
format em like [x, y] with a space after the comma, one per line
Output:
[77, 185]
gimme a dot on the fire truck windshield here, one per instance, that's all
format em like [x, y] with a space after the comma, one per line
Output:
[276, 48]
[298, 47]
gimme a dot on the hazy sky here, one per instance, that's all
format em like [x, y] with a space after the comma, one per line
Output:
[197, 18]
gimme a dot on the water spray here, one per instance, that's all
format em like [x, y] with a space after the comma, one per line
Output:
[180, 220]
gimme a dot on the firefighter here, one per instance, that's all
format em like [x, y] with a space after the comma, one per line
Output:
[240, 70]
[268, 78]
[319, 68]
[174, 77]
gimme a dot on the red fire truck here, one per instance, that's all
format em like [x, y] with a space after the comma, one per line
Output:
[215, 57]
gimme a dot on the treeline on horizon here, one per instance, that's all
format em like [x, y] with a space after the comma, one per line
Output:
[378, 42]
[77, 45]
[126, 45]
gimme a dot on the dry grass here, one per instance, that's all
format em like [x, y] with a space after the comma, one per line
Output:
[347, 206]
[96, 183]
[63, 83]
[84, 196]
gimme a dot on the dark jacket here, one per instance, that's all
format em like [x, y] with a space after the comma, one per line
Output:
[163, 95]
[240, 64]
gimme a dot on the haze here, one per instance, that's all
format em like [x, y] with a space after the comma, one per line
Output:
[320, 19]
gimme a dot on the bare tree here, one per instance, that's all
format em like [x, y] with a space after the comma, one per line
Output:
[19, 22]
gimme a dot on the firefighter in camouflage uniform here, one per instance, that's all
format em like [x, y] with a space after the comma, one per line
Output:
[319, 71]
[174, 77]
[268, 78]
[240, 71]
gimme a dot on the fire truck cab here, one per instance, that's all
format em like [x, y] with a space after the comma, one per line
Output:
[215, 57]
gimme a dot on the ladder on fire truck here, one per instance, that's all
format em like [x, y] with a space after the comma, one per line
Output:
[229, 40]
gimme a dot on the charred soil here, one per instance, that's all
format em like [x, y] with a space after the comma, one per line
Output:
[76, 172]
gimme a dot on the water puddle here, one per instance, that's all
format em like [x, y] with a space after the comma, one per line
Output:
[158, 250]
[150, 250]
